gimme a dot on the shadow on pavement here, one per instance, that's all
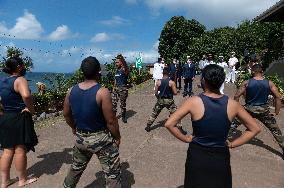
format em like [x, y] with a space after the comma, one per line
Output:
[127, 178]
[255, 141]
[158, 125]
[130, 113]
[181, 186]
[51, 162]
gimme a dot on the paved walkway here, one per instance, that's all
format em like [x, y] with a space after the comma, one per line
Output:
[155, 159]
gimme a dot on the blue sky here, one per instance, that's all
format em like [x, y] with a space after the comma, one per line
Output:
[58, 34]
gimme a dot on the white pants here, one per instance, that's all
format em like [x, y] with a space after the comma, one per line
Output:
[232, 75]
[222, 88]
[155, 83]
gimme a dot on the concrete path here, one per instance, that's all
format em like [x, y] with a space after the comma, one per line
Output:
[155, 159]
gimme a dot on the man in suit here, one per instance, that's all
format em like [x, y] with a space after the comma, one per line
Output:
[178, 74]
[188, 76]
[172, 70]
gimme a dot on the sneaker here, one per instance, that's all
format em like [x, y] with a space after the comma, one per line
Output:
[184, 94]
[148, 128]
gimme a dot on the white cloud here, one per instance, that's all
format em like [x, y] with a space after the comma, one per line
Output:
[114, 21]
[26, 27]
[103, 37]
[214, 12]
[156, 45]
[62, 32]
[100, 37]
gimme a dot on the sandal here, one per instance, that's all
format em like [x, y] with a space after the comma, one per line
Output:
[12, 181]
[29, 181]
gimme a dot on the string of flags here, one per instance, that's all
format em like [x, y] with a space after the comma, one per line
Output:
[49, 50]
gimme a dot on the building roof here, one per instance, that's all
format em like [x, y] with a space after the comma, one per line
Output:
[273, 14]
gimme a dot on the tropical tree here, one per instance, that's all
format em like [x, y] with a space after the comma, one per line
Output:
[16, 52]
[177, 36]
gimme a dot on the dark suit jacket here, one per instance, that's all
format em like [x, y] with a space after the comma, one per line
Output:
[172, 70]
[188, 71]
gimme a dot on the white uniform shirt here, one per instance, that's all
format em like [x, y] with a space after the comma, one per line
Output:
[158, 71]
[208, 63]
[202, 63]
[232, 62]
[224, 65]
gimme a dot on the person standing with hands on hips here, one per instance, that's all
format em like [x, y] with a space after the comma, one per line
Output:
[188, 76]
[208, 157]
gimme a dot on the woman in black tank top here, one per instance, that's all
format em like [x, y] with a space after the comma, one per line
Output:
[208, 157]
[17, 134]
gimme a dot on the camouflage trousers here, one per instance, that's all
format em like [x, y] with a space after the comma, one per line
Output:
[119, 93]
[159, 106]
[102, 144]
[262, 114]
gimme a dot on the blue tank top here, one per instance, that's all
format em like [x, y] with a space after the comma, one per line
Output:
[212, 129]
[10, 99]
[86, 112]
[120, 77]
[165, 89]
[257, 92]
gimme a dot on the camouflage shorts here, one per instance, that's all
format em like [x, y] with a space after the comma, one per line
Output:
[102, 144]
[119, 93]
[159, 106]
[262, 113]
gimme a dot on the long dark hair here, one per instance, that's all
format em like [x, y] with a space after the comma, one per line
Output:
[11, 64]
[124, 64]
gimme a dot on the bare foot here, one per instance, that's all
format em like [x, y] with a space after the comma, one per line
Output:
[10, 182]
[28, 181]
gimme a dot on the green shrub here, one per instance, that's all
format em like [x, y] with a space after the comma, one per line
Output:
[53, 99]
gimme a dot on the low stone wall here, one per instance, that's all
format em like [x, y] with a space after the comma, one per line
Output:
[44, 115]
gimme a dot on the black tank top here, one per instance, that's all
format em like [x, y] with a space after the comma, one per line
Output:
[86, 112]
[10, 99]
[212, 129]
[165, 89]
[257, 92]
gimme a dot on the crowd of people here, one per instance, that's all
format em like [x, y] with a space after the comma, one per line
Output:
[91, 112]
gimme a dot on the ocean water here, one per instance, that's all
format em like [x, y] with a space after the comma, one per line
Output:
[34, 77]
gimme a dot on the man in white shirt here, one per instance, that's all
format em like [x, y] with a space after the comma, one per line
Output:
[210, 60]
[203, 62]
[158, 70]
[223, 64]
[232, 67]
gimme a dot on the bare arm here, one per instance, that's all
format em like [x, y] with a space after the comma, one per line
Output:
[21, 86]
[171, 123]
[249, 122]
[67, 113]
[277, 97]
[104, 99]
[241, 91]
[174, 88]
